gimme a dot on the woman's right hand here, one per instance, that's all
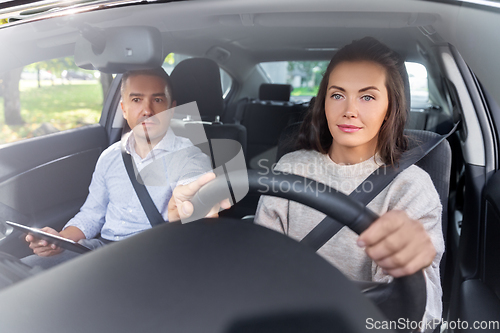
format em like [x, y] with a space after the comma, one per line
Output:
[41, 247]
[398, 244]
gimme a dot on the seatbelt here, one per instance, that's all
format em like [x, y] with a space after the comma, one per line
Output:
[154, 216]
[379, 180]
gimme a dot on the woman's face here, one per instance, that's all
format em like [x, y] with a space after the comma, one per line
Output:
[356, 104]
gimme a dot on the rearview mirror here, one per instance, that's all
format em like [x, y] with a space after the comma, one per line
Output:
[119, 49]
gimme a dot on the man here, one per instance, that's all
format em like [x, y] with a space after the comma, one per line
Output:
[112, 208]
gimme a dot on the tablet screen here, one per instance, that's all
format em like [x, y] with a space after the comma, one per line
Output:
[62, 242]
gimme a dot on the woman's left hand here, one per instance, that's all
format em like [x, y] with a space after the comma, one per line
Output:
[398, 244]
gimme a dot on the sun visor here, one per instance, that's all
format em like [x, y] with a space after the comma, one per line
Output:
[119, 49]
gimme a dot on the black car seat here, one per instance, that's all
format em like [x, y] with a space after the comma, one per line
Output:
[198, 80]
[264, 120]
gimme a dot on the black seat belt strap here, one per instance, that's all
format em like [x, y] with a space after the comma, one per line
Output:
[379, 180]
[147, 203]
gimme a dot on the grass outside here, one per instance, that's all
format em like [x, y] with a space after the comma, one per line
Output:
[305, 91]
[62, 106]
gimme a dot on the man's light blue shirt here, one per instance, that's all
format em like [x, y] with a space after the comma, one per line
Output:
[112, 207]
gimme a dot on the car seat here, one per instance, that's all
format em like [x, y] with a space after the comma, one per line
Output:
[198, 80]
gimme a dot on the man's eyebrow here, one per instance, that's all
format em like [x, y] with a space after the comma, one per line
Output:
[140, 95]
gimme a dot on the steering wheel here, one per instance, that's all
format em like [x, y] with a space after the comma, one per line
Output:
[211, 276]
[403, 297]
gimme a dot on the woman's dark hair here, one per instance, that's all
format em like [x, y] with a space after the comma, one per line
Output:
[314, 133]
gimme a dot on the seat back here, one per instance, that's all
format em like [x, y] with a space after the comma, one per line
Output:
[287, 140]
[264, 120]
[198, 80]
[438, 165]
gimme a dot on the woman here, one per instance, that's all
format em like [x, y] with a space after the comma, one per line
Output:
[355, 126]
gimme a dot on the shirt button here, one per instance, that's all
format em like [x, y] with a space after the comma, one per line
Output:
[130, 210]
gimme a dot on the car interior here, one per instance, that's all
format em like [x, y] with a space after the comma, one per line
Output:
[44, 180]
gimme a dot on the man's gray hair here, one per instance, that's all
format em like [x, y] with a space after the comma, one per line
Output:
[158, 72]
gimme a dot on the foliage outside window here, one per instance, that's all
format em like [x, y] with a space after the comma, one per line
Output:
[47, 97]
[303, 76]
[56, 95]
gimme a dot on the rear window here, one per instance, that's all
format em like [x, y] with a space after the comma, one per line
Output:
[305, 77]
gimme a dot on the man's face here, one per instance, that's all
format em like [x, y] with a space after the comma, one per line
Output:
[147, 107]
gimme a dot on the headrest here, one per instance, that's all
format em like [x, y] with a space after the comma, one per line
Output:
[275, 92]
[198, 79]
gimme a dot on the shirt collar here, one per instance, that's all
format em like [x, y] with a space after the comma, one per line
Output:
[166, 144]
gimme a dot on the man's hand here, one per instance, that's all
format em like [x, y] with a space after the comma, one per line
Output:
[398, 244]
[41, 247]
[179, 206]
[44, 249]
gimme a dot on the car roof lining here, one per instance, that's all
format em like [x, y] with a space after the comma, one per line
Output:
[238, 28]
[257, 31]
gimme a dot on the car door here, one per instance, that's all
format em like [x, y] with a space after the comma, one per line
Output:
[479, 296]
[44, 180]
[474, 286]
[478, 302]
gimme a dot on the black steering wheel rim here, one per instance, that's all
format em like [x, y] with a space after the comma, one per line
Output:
[207, 276]
[403, 297]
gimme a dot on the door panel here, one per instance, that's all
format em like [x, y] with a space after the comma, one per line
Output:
[491, 268]
[44, 181]
[480, 295]
[480, 309]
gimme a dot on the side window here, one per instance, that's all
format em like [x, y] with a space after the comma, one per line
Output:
[226, 82]
[47, 97]
[419, 84]
[174, 58]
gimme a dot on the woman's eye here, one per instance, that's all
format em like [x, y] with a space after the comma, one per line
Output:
[367, 98]
[336, 96]
[158, 100]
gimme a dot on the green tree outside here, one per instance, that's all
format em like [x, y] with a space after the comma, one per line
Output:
[49, 103]
[311, 72]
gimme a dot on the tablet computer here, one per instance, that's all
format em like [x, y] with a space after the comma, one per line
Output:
[62, 242]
